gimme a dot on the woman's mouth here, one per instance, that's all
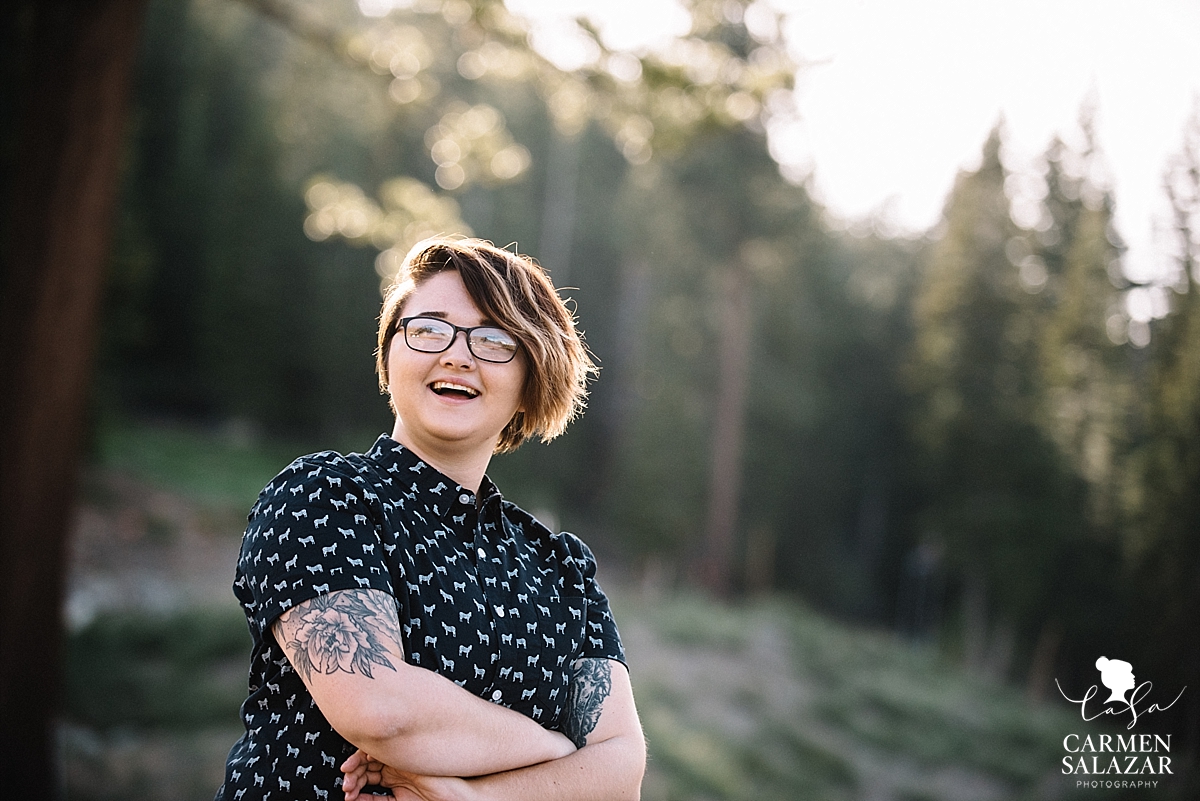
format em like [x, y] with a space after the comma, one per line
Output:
[450, 389]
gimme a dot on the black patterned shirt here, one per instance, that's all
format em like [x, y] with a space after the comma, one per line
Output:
[487, 596]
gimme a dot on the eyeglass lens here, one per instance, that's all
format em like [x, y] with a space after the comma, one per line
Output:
[431, 335]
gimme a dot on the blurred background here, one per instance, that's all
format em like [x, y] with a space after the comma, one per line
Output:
[862, 489]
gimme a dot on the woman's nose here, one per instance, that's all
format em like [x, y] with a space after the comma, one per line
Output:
[459, 352]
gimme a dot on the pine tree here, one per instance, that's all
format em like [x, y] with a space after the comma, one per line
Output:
[1069, 266]
[1164, 550]
[999, 503]
[1071, 274]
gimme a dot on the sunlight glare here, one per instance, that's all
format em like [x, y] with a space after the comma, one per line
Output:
[564, 44]
[377, 8]
[631, 25]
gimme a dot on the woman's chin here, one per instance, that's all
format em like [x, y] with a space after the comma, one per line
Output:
[449, 435]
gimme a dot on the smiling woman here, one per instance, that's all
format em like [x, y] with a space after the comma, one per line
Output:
[515, 296]
[451, 406]
[412, 630]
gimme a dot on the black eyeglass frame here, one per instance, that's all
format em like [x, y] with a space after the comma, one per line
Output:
[402, 329]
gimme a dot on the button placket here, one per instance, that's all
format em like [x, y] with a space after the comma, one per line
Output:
[491, 557]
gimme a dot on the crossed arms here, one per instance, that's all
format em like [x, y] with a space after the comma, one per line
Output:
[428, 731]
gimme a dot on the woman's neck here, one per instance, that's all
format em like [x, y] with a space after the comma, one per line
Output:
[465, 464]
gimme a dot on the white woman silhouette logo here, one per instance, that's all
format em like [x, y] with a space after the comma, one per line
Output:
[1116, 675]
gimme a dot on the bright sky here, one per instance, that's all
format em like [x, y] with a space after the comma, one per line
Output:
[899, 96]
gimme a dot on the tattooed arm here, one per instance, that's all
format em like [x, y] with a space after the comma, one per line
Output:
[591, 684]
[603, 723]
[607, 767]
[346, 646]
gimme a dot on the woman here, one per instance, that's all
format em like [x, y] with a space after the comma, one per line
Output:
[401, 608]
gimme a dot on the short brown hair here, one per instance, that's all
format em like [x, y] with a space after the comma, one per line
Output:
[515, 293]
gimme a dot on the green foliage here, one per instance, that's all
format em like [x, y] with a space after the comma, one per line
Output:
[966, 352]
[1070, 276]
[219, 306]
[960, 393]
[1000, 493]
[691, 620]
[173, 672]
[769, 700]
[1021, 398]
[793, 706]
[825, 463]
[214, 468]
[1163, 509]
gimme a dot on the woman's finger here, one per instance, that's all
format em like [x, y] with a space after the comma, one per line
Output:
[358, 774]
[360, 777]
[353, 761]
[351, 786]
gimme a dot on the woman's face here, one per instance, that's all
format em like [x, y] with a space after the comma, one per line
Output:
[450, 402]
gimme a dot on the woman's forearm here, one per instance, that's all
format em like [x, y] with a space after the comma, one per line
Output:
[608, 767]
[434, 727]
[610, 770]
[411, 718]
[606, 771]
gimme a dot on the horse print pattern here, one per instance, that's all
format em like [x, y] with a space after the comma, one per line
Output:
[486, 596]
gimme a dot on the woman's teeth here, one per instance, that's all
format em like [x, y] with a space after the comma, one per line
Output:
[444, 387]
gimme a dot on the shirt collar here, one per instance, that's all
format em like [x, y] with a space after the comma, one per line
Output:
[416, 475]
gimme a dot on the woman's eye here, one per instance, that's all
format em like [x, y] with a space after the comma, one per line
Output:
[496, 340]
[426, 330]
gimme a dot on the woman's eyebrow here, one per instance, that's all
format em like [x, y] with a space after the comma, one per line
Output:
[441, 315]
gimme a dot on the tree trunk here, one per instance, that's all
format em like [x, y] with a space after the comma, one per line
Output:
[725, 482]
[558, 209]
[615, 401]
[1041, 666]
[74, 86]
[974, 619]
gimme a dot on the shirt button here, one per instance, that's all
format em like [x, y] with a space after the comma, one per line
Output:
[497, 695]
[464, 498]
[499, 611]
[482, 554]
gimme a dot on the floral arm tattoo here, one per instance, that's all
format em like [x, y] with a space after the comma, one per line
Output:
[591, 682]
[348, 631]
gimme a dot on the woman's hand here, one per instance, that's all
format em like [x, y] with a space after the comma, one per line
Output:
[361, 769]
[411, 787]
[358, 771]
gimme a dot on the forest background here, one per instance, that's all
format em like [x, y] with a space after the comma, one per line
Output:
[960, 437]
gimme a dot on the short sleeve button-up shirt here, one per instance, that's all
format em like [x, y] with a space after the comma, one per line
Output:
[487, 596]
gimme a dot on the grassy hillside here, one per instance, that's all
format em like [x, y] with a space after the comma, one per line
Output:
[763, 701]
[770, 701]
[757, 701]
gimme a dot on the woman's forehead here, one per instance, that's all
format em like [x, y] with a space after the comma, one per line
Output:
[443, 295]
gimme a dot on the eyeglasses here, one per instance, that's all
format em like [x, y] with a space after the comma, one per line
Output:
[433, 335]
